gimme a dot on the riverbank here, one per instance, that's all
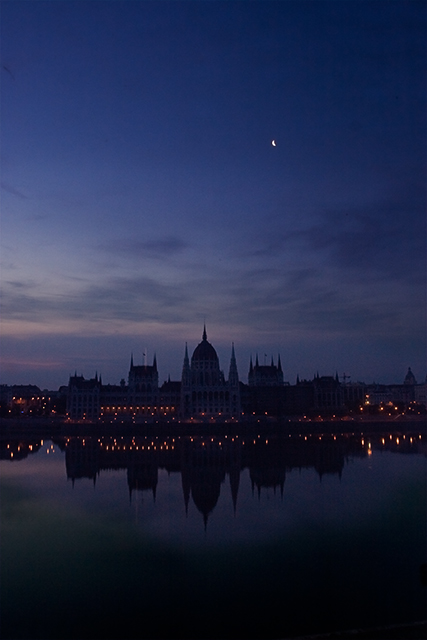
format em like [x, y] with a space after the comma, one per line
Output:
[53, 426]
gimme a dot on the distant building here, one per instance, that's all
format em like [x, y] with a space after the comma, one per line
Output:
[170, 398]
[420, 393]
[205, 394]
[409, 378]
[328, 393]
[265, 376]
[83, 399]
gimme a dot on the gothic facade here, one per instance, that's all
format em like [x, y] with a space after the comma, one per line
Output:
[264, 375]
[205, 393]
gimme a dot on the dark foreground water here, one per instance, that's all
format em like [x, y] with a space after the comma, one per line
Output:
[211, 537]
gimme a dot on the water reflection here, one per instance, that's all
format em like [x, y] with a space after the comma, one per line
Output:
[205, 463]
[291, 534]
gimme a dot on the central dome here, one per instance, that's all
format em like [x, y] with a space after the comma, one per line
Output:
[204, 350]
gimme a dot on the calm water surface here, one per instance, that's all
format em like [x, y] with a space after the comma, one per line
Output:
[207, 537]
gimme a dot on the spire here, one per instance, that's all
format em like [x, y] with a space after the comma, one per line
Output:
[279, 364]
[251, 367]
[155, 363]
[186, 372]
[256, 361]
[233, 376]
[204, 336]
[131, 360]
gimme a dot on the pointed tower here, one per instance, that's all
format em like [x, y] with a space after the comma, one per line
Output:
[279, 371]
[186, 371]
[233, 376]
[185, 386]
[233, 385]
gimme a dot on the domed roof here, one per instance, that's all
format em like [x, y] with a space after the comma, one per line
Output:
[204, 350]
[410, 378]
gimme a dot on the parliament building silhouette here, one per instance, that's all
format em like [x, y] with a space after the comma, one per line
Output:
[204, 394]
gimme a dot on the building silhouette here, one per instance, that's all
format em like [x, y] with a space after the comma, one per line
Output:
[205, 393]
[265, 375]
[202, 394]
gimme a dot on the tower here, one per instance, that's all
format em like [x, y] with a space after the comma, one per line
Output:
[143, 390]
[205, 394]
[233, 383]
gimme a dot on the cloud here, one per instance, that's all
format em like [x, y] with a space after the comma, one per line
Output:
[13, 191]
[375, 242]
[340, 276]
[115, 298]
[155, 248]
[386, 241]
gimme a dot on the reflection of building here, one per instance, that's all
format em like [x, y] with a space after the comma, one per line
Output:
[205, 393]
[143, 476]
[205, 462]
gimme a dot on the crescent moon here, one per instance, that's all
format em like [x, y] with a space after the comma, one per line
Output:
[273, 142]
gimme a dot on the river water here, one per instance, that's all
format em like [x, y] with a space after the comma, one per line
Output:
[211, 536]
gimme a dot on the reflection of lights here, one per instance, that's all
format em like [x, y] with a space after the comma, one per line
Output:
[397, 440]
[369, 452]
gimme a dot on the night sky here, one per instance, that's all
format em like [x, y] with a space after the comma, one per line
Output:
[142, 195]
